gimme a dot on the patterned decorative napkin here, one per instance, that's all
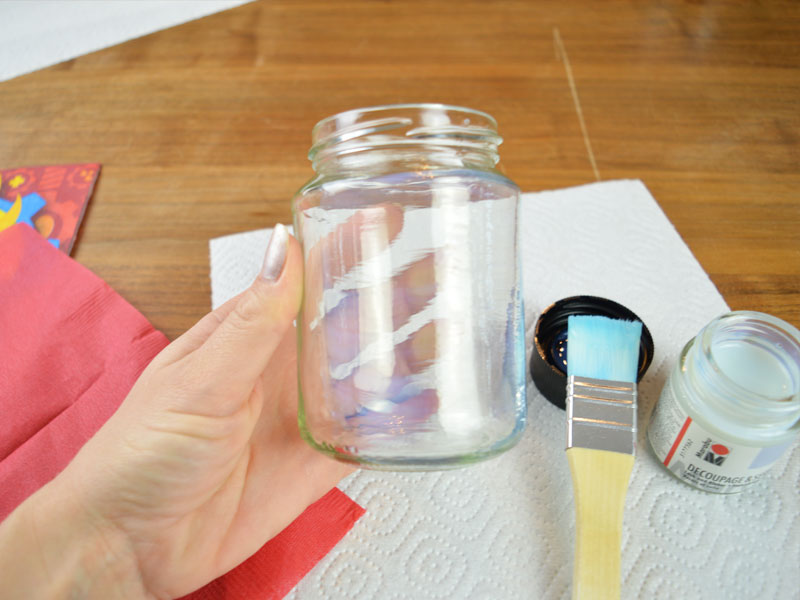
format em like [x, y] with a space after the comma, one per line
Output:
[50, 199]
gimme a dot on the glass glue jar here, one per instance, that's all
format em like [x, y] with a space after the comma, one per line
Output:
[411, 348]
[731, 407]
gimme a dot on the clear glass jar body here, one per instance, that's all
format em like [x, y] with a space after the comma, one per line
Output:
[731, 406]
[411, 334]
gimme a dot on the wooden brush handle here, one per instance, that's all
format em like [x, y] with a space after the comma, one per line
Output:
[600, 482]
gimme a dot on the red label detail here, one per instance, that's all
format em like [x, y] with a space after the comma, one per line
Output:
[677, 441]
[719, 449]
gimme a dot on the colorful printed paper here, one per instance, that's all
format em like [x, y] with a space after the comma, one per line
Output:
[50, 199]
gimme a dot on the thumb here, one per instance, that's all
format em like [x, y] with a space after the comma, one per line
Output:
[239, 349]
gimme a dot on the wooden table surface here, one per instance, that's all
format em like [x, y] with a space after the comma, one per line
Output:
[203, 129]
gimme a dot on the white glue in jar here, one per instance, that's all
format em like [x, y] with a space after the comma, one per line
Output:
[731, 407]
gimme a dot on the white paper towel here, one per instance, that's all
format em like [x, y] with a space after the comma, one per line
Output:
[504, 528]
[40, 33]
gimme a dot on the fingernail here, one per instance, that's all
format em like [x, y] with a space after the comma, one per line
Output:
[275, 256]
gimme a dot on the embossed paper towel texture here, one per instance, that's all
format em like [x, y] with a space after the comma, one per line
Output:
[504, 528]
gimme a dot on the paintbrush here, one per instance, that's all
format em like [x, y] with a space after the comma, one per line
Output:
[602, 361]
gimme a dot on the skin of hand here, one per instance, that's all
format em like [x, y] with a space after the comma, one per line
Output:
[200, 466]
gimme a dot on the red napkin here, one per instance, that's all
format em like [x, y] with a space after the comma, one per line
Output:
[70, 349]
[273, 571]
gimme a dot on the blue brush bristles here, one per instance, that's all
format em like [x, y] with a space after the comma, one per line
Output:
[603, 348]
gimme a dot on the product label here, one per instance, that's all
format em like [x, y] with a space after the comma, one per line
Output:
[705, 460]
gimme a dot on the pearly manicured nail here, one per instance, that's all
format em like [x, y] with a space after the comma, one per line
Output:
[275, 256]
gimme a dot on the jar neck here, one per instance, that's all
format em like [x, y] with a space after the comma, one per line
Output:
[746, 367]
[402, 138]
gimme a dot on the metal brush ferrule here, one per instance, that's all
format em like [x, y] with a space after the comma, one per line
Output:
[601, 414]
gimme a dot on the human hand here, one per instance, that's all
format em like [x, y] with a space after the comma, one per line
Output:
[203, 461]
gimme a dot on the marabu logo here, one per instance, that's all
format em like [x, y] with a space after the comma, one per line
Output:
[717, 454]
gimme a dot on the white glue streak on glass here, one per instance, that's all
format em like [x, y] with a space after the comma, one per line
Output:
[375, 311]
[459, 407]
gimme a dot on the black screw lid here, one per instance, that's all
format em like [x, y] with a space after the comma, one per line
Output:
[548, 360]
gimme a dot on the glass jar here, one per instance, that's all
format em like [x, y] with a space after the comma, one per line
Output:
[731, 407]
[411, 335]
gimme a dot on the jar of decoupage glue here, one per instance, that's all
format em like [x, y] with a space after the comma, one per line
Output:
[731, 407]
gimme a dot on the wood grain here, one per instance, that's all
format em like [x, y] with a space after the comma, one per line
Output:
[599, 487]
[203, 129]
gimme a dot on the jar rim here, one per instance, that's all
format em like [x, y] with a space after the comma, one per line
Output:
[399, 125]
[401, 106]
[759, 323]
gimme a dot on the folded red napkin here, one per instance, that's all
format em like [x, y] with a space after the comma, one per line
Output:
[70, 349]
[273, 571]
